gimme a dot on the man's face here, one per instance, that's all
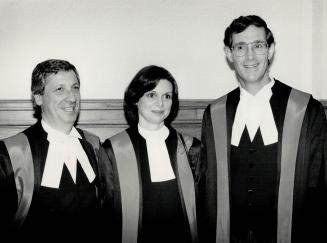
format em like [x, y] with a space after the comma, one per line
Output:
[252, 68]
[60, 102]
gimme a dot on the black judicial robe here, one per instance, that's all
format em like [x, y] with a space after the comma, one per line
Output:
[37, 139]
[162, 215]
[309, 200]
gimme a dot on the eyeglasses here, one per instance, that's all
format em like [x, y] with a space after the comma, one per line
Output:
[258, 47]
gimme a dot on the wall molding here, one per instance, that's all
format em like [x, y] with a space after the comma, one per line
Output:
[104, 117]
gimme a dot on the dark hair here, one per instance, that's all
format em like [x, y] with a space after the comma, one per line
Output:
[241, 23]
[43, 70]
[145, 80]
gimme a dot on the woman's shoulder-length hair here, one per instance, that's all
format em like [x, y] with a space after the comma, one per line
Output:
[145, 80]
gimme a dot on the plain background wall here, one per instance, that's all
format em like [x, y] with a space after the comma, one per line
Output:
[110, 40]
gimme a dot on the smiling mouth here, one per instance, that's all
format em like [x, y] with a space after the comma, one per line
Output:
[69, 109]
[251, 66]
[158, 112]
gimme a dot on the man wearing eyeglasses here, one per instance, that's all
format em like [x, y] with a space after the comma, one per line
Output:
[262, 155]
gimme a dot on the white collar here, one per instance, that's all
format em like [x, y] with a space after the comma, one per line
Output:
[263, 94]
[64, 149]
[57, 134]
[159, 160]
[254, 111]
[160, 134]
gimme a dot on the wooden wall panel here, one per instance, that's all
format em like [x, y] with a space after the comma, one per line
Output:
[102, 117]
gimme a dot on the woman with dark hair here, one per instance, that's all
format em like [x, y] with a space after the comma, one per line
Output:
[155, 166]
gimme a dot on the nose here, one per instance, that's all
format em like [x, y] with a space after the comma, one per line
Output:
[159, 101]
[71, 96]
[249, 51]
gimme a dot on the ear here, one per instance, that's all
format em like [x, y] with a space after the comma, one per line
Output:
[229, 54]
[271, 51]
[38, 99]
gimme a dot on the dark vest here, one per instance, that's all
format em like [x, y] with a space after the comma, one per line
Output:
[163, 219]
[72, 210]
[253, 189]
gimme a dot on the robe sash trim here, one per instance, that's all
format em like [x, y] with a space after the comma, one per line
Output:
[93, 140]
[128, 174]
[129, 185]
[295, 111]
[20, 155]
[21, 160]
[219, 124]
[186, 181]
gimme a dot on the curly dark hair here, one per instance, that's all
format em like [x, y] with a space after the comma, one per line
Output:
[145, 80]
[241, 23]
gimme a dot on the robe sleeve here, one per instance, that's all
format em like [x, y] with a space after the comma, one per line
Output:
[112, 202]
[8, 198]
[315, 154]
[194, 157]
[207, 192]
[316, 143]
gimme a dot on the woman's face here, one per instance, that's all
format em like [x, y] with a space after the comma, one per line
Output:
[155, 105]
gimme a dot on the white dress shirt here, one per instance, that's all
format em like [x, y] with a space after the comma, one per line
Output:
[159, 161]
[64, 149]
[254, 111]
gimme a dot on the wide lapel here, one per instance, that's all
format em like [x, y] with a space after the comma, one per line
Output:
[130, 182]
[222, 115]
[140, 149]
[278, 102]
[39, 144]
[233, 99]
[171, 143]
[90, 153]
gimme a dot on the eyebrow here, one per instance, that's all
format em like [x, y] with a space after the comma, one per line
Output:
[169, 92]
[243, 42]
